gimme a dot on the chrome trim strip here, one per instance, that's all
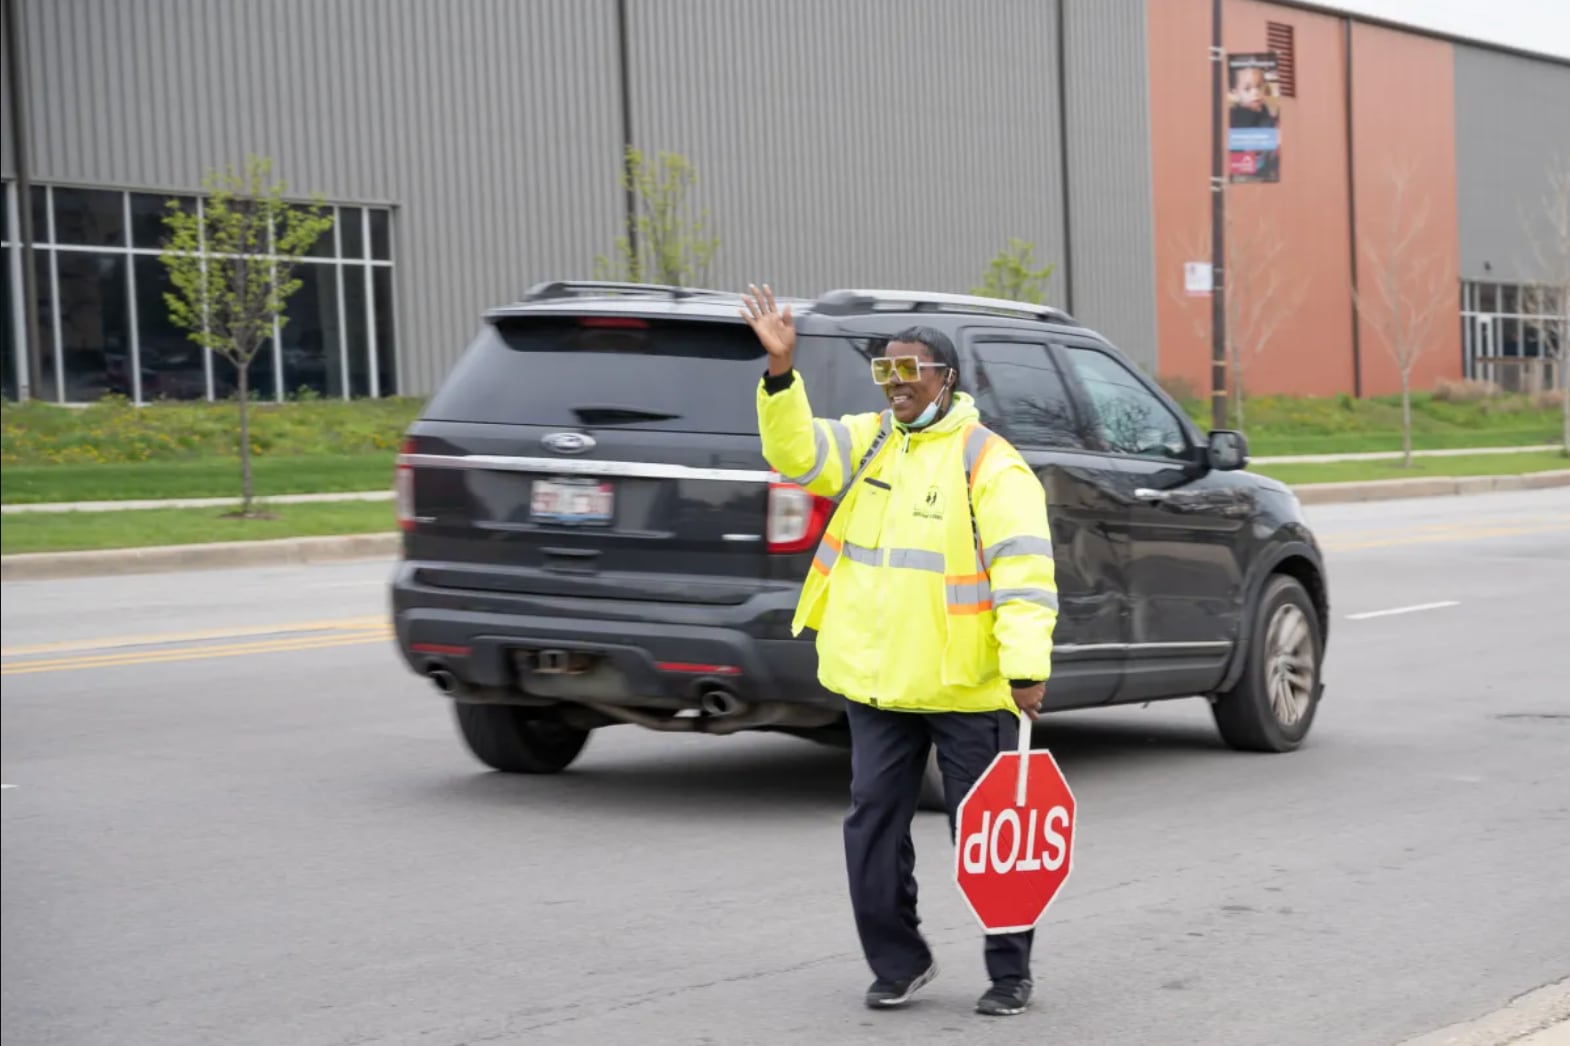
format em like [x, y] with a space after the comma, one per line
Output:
[582, 467]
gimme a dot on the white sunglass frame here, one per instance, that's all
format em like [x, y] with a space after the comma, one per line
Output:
[894, 361]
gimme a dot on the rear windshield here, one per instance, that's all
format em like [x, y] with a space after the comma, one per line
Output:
[665, 375]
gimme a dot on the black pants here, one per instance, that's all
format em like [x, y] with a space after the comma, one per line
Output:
[888, 756]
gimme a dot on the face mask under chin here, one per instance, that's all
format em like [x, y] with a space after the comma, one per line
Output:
[923, 419]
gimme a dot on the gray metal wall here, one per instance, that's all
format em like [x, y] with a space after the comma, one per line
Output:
[885, 143]
[493, 125]
[1512, 119]
[1111, 211]
[838, 142]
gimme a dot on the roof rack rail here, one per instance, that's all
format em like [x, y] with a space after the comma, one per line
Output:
[848, 301]
[551, 289]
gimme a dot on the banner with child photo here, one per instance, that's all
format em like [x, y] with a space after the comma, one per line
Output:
[1253, 118]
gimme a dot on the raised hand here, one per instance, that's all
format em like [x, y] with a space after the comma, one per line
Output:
[775, 329]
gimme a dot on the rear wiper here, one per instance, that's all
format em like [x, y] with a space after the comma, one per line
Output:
[614, 415]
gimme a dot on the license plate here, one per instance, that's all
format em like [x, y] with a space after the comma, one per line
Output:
[573, 502]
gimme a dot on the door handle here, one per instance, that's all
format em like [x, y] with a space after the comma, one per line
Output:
[1146, 494]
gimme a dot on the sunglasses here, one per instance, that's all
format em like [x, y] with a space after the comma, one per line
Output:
[905, 369]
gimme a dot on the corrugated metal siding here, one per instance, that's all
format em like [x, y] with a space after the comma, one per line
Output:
[856, 142]
[492, 125]
[1512, 117]
[1112, 232]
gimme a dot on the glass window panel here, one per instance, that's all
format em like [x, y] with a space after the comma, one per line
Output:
[325, 246]
[147, 218]
[9, 374]
[351, 232]
[46, 320]
[357, 328]
[1021, 394]
[1130, 419]
[310, 337]
[381, 236]
[262, 379]
[1487, 297]
[95, 328]
[171, 362]
[386, 342]
[1509, 298]
[40, 214]
[90, 217]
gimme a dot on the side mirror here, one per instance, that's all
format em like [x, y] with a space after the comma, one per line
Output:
[1228, 450]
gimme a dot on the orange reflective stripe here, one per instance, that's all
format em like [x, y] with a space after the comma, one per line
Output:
[986, 448]
[970, 608]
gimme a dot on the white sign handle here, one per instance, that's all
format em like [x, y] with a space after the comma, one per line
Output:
[1024, 759]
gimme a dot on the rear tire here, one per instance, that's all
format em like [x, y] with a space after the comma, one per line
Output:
[1273, 704]
[511, 740]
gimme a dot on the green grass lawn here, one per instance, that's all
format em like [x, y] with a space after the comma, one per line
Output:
[194, 478]
[1465, 465]
[74, 531]
[67, 531]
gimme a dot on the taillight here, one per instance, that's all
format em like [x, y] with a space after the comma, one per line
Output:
[403, 486]
[796, 518]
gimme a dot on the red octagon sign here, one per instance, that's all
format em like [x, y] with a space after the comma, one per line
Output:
[1015, 839]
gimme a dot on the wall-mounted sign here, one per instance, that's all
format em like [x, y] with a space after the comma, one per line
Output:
[1253, 118]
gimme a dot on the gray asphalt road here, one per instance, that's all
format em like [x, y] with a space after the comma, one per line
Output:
[260, 830]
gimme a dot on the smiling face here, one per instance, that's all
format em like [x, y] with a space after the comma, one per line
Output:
[908, 399]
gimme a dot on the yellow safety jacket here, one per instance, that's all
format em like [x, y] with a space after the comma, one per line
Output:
[927, 593]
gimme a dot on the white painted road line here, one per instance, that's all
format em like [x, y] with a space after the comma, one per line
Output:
[1403, 610]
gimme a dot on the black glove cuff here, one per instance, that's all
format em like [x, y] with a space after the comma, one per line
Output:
[775, 383]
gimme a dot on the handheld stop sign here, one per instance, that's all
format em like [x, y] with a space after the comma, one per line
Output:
[1015, 839]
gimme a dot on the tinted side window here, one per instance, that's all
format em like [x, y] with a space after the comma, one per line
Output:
[1129, 418]
[1021, 395]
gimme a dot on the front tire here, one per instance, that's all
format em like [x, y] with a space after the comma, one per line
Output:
[511, 740]
[1273, 704]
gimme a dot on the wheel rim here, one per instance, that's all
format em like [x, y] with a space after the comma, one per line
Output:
[1289, 670]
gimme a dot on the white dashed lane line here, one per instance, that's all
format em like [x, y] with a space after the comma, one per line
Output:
[1393, 611]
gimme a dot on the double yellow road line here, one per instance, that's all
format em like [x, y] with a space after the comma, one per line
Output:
[290, 637]
[125, 651]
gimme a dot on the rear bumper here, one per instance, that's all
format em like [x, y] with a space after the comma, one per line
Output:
[655, 654]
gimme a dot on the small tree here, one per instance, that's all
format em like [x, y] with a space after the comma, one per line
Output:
[232, 266]
[1011, 274]
[1260, 298]
[1407, 290]
[666, 242]
[1547, 298]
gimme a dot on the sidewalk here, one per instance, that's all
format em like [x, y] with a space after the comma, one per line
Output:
[1540, 1017]
[387, 495]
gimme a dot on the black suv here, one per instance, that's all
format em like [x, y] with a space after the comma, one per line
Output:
[592, 536]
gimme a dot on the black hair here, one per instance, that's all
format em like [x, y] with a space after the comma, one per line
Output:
[938, 344]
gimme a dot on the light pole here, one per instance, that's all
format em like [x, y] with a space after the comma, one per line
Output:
[1218, 293]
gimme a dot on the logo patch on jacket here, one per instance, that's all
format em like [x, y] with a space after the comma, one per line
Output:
[931, 505]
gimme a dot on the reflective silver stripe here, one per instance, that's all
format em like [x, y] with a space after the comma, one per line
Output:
[968, 593]
[827, 555]
[841, 434]
[820, 457]
[973, 443]
[1039, 596]
[1017, 546]
[916, 559]
[861, 554]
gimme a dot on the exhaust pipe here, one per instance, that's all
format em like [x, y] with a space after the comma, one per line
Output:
[443, 680]
[717, 700]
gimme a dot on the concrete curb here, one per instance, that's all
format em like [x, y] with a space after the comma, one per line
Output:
[1540, 1017]
[48, 566]
[1426, 487]
[43, 566]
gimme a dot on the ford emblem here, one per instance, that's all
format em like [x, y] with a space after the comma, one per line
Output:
[568, 442]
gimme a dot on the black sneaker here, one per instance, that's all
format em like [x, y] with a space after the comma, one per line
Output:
[1005, 999]
[885, 995]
